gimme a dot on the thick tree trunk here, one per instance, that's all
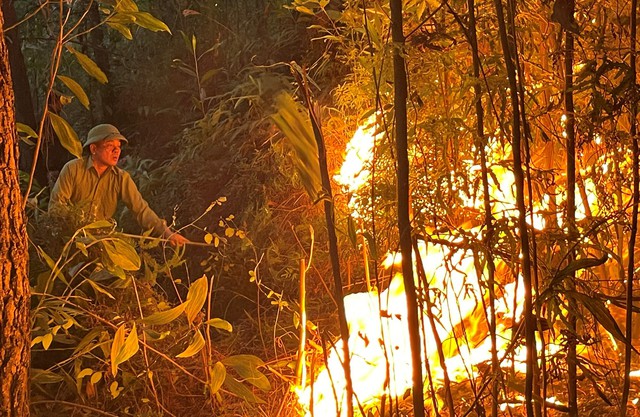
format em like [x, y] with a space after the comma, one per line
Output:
[14, 282]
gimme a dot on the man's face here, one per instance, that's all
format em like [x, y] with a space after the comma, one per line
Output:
[106, 152]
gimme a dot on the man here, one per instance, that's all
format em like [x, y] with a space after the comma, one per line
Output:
[94, 184]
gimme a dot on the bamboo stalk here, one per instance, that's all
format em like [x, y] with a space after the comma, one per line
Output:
[403, 203]
[529, 319]
[301, 369]
[634, 216]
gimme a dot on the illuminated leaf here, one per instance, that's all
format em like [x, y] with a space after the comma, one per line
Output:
[237, 388]
[114, 389]
[125, 31]
[229, 232]
[247, 367]
[88, 65]
[155, 336]
[125, 6]
[293, 120]
[164, 317]
[305, 10]
[208, 238]
[99, 289]
[196, 345]
[147, 21]
[84, 372]
[76, 89]
[65, 133]
[122, 254]
[99, 225]
[195, 298]
[121, 349]
[220, 324]
[217, 375]
[46, 340]
[96, 377]
[23, 128]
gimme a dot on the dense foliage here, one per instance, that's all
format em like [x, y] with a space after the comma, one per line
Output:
[127, 326]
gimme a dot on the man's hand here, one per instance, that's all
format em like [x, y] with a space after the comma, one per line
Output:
[175, 238]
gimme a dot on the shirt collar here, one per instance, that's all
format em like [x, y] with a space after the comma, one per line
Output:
[88, 165]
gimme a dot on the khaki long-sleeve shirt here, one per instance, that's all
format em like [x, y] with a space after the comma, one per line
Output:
[79, 185]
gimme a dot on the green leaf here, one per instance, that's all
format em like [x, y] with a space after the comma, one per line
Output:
[147, 21]
[88, 65]
[164, 317]
[99, 289]
[125, 6]
[122, 254]
[220, 324]
[293, 120]
[121, 349]
[125, 31]
[247, 367]
[87, 340]
[23, 128]
[52, 265]
[195, 298]
[100, 224]
[76, 89]
[305, 10]
[237, 388]
[196, 345]
[67, 136]
[155, 336]
[42, 376]
[217, 375]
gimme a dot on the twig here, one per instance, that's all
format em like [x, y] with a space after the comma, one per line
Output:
[160, 239]
[70, 404]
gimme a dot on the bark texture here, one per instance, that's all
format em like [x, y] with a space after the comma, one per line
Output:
[14, 282]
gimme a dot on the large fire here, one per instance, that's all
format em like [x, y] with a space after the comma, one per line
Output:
[457, 292]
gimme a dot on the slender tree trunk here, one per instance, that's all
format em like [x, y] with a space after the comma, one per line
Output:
[529, 320]
[634, 216]
[480, 144]
[572, 382]
[25, 112]
[333, 241]
[14, 281]
[104, 99]
[404, 222]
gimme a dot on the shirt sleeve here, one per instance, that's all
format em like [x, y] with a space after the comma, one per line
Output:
[60, 197]
[145, 217]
